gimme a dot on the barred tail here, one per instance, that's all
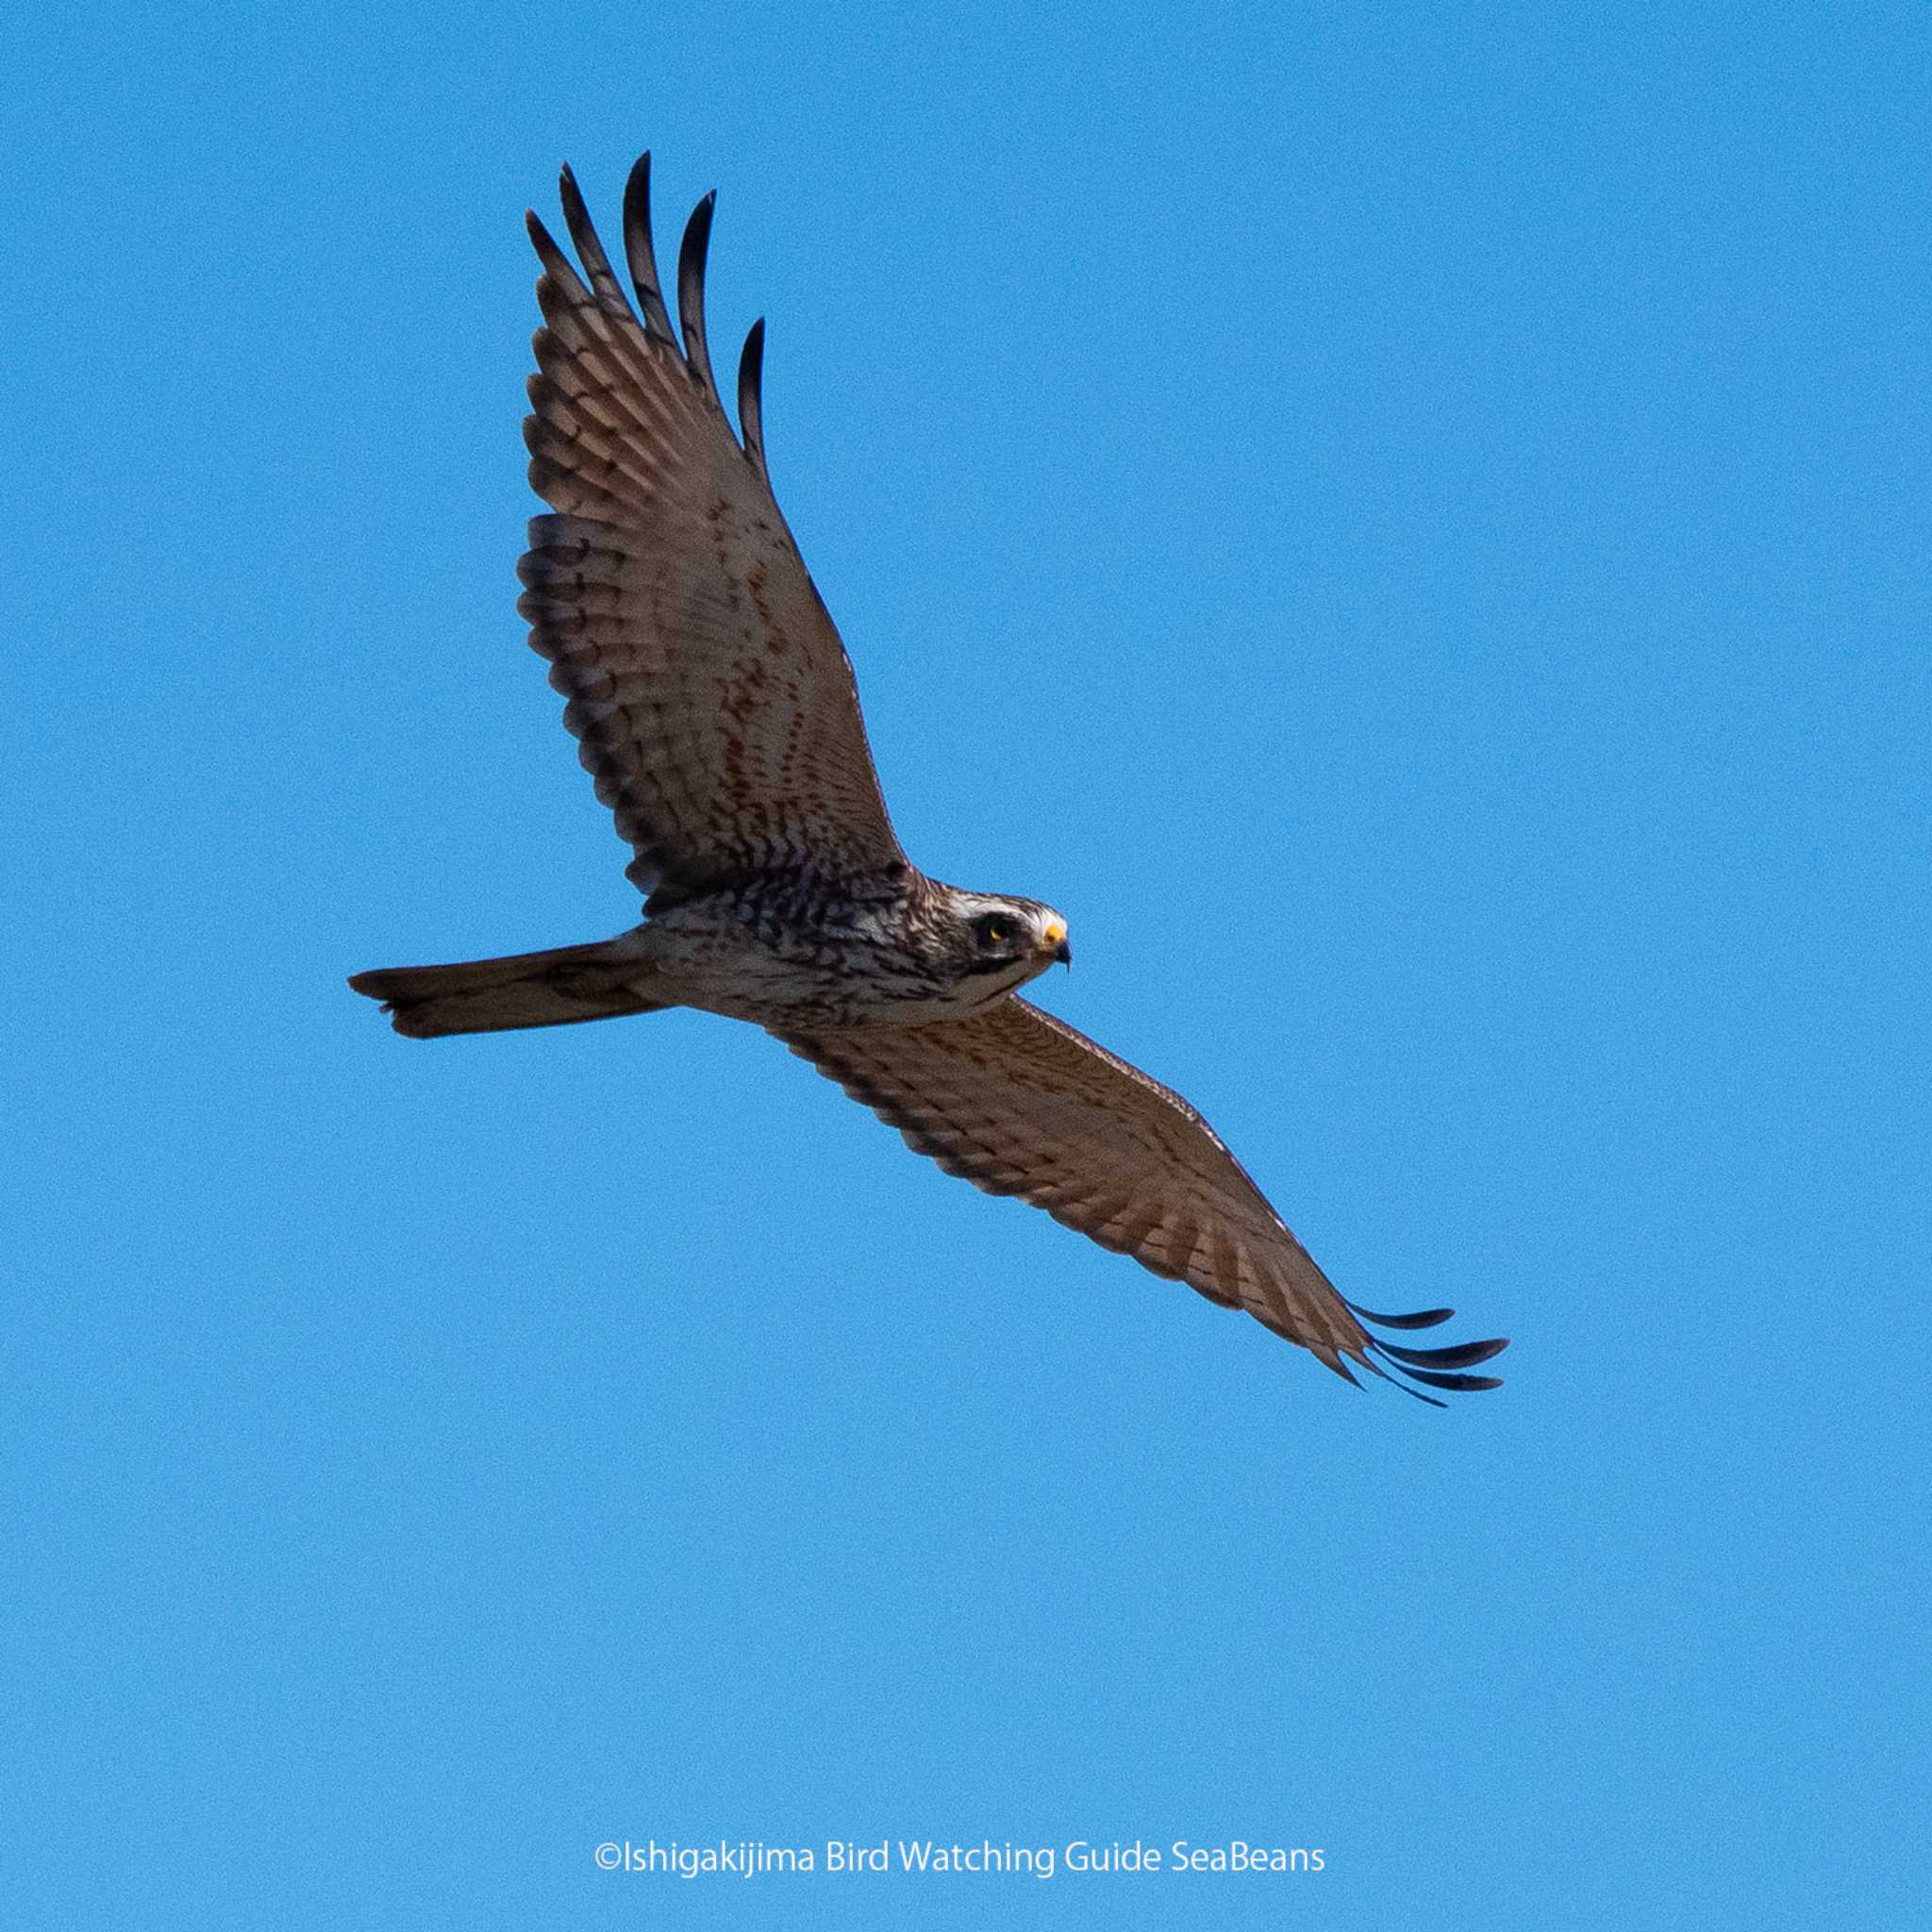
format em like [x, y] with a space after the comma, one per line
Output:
[559, 988]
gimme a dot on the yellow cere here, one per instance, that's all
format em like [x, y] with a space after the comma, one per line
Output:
[1056, 931]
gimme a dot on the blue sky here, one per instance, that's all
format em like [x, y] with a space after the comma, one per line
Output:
[1409, 526]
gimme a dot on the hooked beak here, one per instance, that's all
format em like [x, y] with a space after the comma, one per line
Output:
[1056, 937]
[1064, 953]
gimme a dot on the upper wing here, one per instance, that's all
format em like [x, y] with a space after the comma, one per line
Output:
[1019, 1104]
[714, 702]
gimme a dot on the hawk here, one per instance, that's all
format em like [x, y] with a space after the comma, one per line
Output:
[715, 706]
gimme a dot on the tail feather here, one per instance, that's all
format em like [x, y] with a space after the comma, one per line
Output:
[560, 987]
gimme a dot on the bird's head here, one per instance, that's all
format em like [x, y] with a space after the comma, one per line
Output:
[1000, 943]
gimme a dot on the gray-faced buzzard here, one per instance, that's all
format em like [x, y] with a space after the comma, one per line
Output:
[715, 708]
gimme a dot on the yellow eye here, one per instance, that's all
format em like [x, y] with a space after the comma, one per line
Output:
[996, 933]
[992, 930]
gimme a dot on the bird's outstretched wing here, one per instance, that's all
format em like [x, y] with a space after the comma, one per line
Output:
[1017, 1103]
[713, 702]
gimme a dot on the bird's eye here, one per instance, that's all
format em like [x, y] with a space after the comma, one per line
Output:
[995, 930]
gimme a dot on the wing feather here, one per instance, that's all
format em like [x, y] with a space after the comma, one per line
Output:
[712, 701]
[640, 254]
[692, 254]
[751, 406]
[1019, 1103]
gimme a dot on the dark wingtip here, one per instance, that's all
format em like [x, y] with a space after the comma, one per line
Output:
[1428, 1318]
[691, 288]
[563, 277]
[1465, 1357]
[1437, 1379]
[1439, 1368]
[583, 233]
[751, 413]
[1376, 1369]
[641, 254]
[1418, 1368]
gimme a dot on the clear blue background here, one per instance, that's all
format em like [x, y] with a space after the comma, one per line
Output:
[1410, 524]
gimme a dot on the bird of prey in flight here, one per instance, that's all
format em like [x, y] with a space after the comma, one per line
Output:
[715, 706]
